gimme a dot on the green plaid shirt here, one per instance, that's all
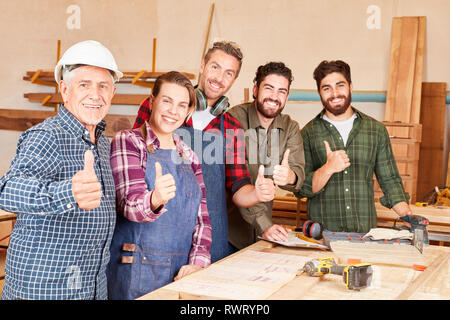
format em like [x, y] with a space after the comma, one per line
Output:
[346, 203]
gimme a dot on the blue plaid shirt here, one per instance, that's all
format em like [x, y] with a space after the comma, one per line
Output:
[57, 250]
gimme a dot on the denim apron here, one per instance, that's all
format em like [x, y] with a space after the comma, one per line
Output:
[161, 247]
[214, 179]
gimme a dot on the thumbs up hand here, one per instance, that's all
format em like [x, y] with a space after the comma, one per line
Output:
[86, 188]
[282, 173]
[337, 160]
[164, 188]
[264, 187]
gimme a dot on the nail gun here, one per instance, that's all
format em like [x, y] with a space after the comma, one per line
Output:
[355, 276]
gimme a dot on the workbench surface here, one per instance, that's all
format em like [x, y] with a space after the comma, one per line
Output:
[389, 281]
[6, 216]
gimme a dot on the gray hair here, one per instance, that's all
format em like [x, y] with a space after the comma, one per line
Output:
[67, 73]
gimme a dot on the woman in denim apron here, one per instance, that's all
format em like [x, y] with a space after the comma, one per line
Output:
[213, 169]
[162, 232]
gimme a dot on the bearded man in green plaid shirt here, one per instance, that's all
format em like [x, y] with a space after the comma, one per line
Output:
[343, 149]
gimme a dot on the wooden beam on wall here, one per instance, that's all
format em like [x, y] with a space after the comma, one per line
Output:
[21, 120]
[126, 75]
[119, 98]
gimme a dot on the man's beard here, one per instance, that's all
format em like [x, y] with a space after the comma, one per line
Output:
[339, 109]
[266, 113]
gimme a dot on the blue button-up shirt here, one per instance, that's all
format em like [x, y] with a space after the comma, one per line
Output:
[57, 250]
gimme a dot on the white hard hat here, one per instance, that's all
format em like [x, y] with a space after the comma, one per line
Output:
[91, 53]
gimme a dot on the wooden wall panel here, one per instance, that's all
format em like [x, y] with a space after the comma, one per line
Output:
[432, 117]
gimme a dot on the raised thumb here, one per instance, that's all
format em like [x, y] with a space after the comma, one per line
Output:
[327, 147]
[158, 170]
[285, 161]
[88, 161]
[261, 172]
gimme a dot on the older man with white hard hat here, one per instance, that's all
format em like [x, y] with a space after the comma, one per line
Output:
[60, 185]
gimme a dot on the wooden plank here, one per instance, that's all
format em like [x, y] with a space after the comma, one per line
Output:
[50, 79]
[391, 92]
[447, 180]
[6, 216]
[126, 74]
[21, 120]
[418, 72]
[405, 69]
[387, 254]
[437, 266]
[431, 157]
[119, 98]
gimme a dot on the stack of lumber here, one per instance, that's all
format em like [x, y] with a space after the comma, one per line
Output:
[21, 120]
[141, 78]
[289, 210]
[405, 140]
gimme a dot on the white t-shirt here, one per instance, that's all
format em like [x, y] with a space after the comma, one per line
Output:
[343, 127]
[200, 119]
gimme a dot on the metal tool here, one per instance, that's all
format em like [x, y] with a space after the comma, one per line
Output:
[437, 197]
[418, 228]
[355, 276]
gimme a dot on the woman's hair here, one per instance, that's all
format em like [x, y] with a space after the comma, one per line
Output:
[181, 80]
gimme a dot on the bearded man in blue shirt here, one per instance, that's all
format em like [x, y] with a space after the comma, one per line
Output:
[60, 185]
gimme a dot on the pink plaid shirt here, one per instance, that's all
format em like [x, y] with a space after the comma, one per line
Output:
[128, 163]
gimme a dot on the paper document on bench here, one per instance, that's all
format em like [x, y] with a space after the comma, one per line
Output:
[249, 275]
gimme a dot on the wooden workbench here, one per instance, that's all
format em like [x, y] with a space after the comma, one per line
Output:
[6, 216]
[289, 210]
[7, 220]
[389, 281]
[439, 218]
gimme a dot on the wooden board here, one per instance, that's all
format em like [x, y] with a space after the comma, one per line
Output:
[49, 75]
[119, 98]
[447, 180]
[431, 157]
[418, 71]
[405, 69]
[21, 120]
[440, 266]
[378, 253]
[6, 216]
